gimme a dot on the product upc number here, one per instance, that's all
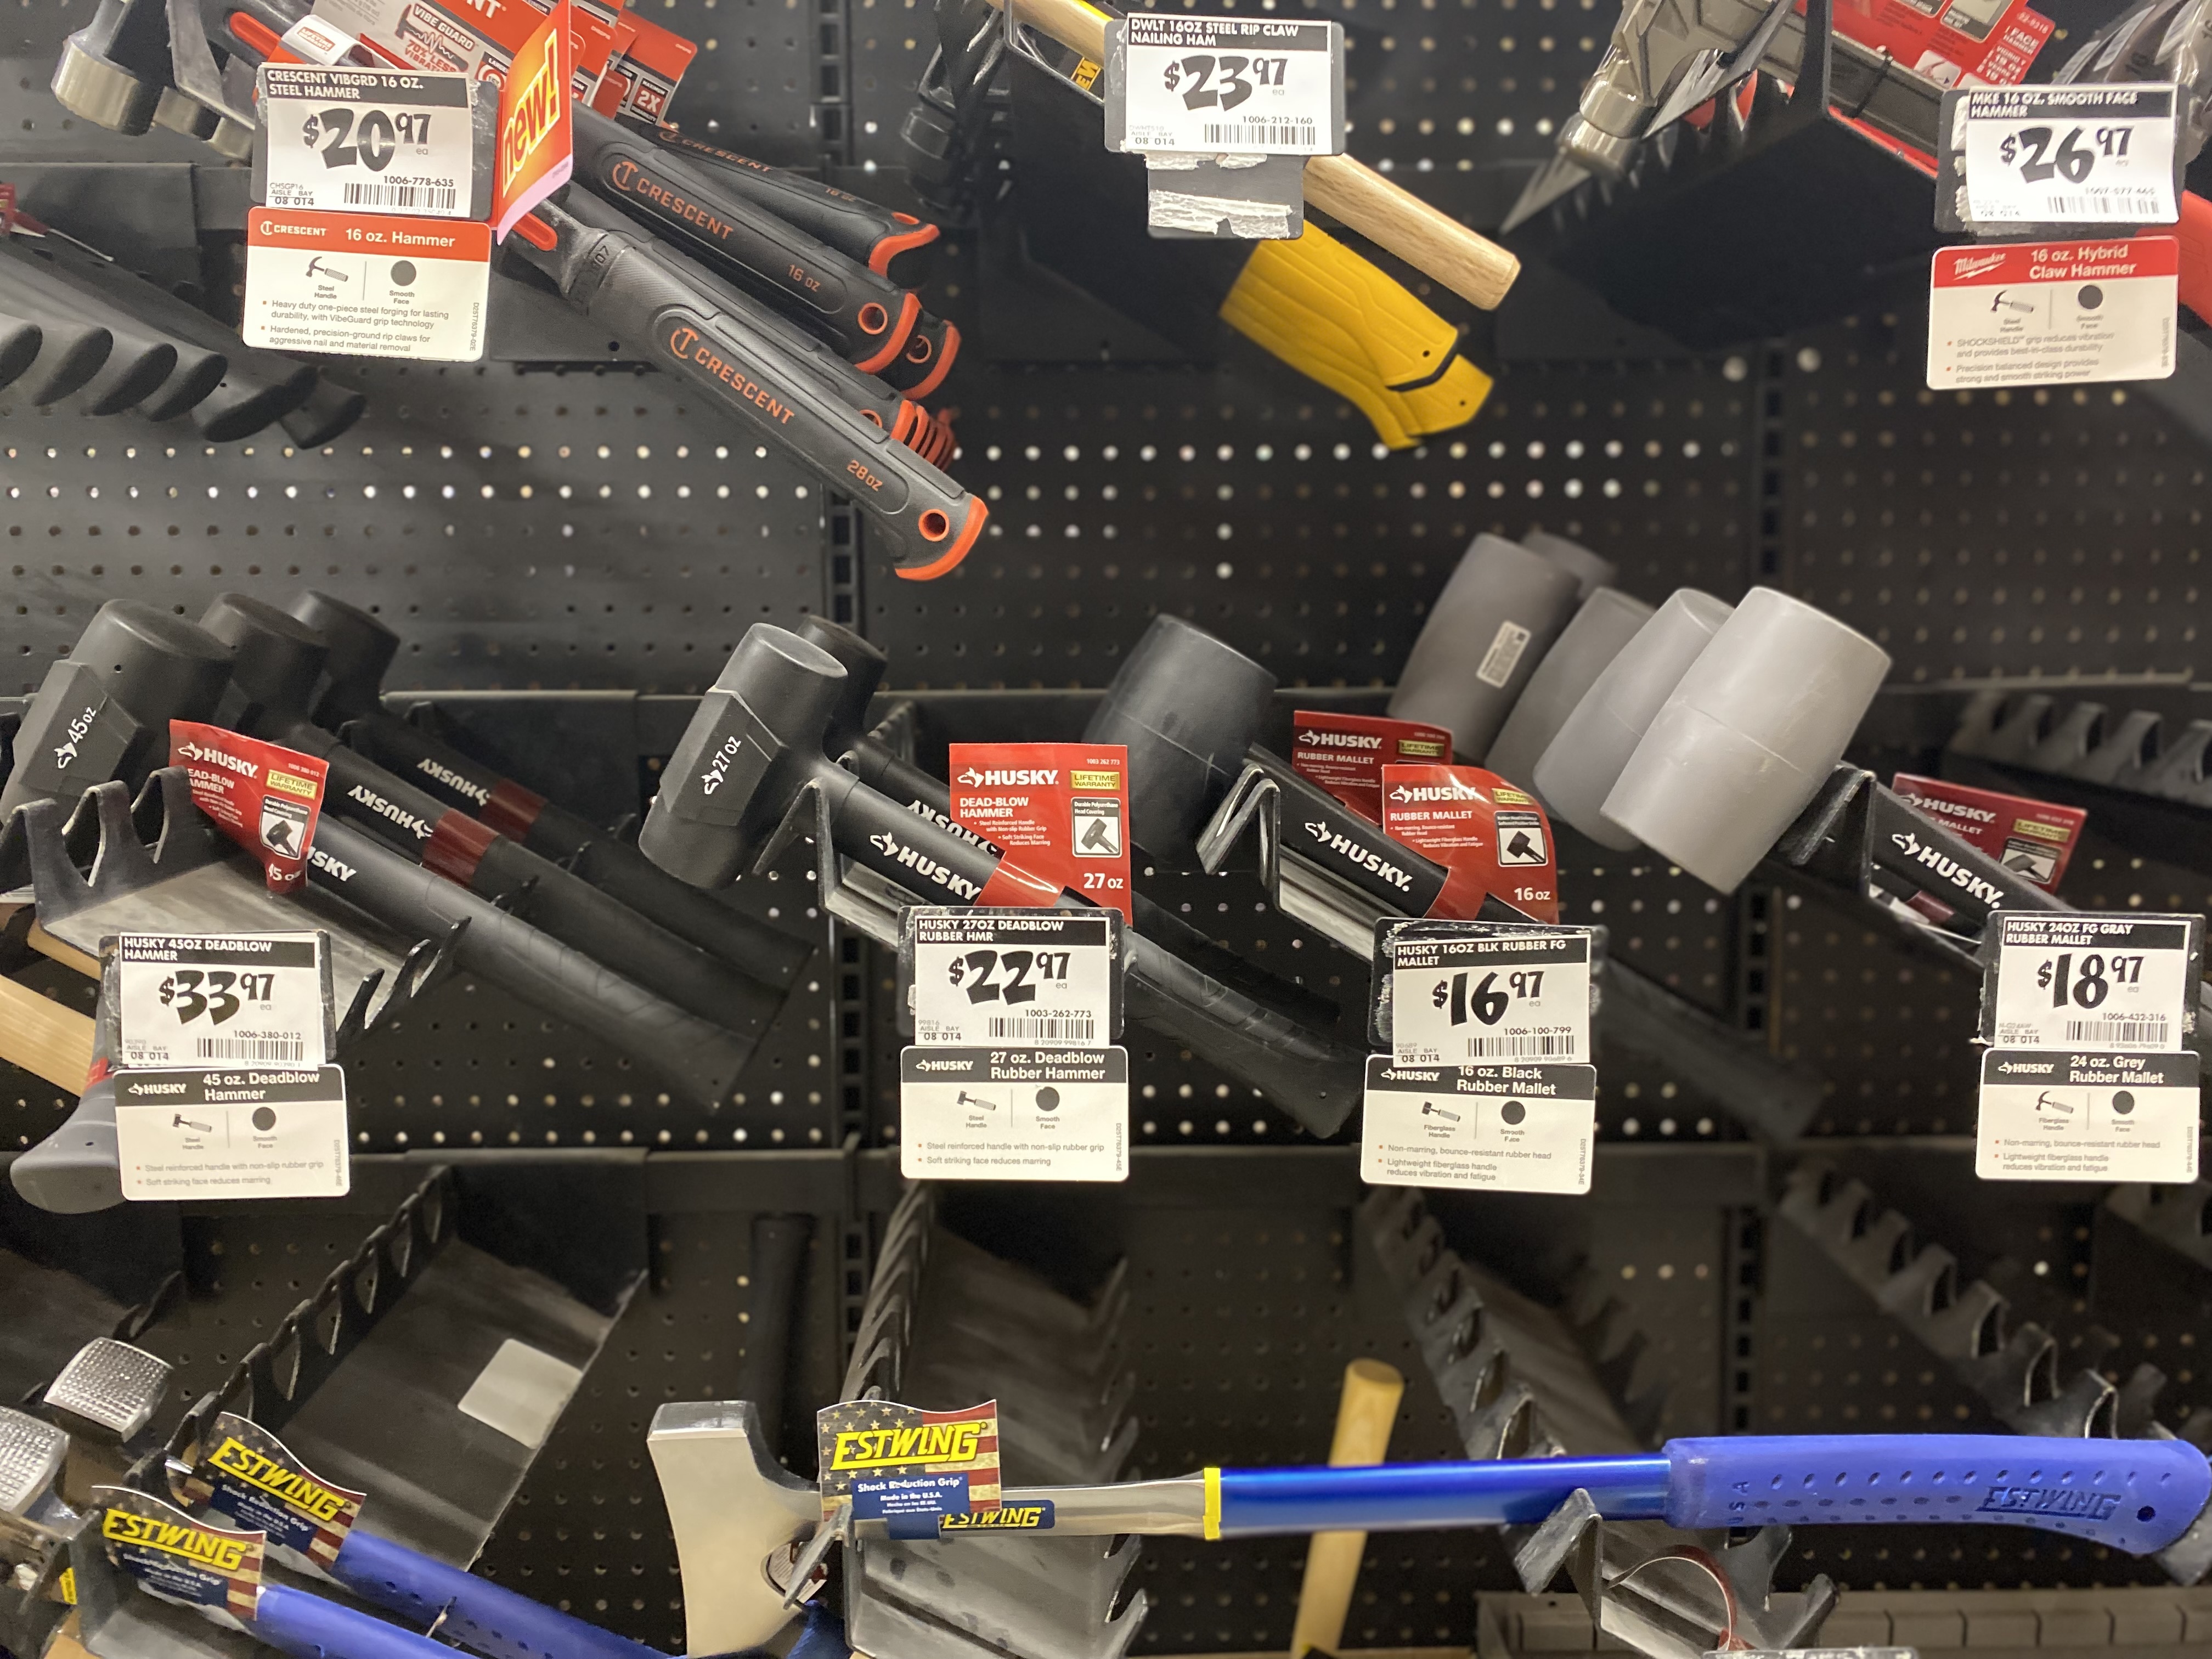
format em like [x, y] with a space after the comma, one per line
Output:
[1203, 93]
[2072, 160]
[218, 993]
[976, 969]
[2087, 986]
[373, 146]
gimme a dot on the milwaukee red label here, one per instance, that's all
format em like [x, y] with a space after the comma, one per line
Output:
[1345, 754]
[1059, 813]
[2052, 313]
[2032, 837]
[266, 799]
[1492, 837]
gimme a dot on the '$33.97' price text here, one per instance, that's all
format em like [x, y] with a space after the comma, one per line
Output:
[217, 992]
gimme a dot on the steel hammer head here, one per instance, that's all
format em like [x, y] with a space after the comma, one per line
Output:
[756, 740]
[735, 1513]
[361, 650]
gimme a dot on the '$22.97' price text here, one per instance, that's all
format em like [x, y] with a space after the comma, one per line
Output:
[1024, 969]
[218, 993]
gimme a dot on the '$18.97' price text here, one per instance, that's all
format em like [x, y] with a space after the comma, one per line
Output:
[2086, 985]
[217, 992]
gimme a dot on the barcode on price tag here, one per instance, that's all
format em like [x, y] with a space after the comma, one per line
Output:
[1036, 978]
[1517, 995]
[219, 1000]
[371, 140]
[2069, 154]
[1223, 85]
[2078, 980]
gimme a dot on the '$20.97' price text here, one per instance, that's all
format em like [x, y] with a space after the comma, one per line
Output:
[373, 146]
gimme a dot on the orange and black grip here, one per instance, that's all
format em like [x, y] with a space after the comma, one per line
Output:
[921, 518]
[890, 244]
[865, 317]
[927, 358]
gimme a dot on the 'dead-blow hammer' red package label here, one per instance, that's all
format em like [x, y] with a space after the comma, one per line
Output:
[2032, 837]
[1345, 754]
[1059, 813]
[266, 799]
[1492, 837]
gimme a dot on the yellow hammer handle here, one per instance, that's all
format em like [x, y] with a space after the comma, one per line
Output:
[1364, 1412]
[1473, 267]
[43, 1038]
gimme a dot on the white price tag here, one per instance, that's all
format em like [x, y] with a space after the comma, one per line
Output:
[1515, 996]
[1225, 85]
[2066, 1116]
[2057, 313]
[2080, 979]
[1014, 1114]
[1026, 977]
[232, 1134]
[367, 141]
[1506, 1128]
[2070, 154]
[222, 1000]
[366, 285]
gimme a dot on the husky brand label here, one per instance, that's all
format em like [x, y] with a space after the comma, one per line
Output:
[1522, 995]
[232, 1134]
[178, 1556]
[1345, 754]
[1503, 1128]
[222, 1000]
[1002, 1114]
[1059, 812]
[1492, 837]
[896, 1462]
[265, 798]
[250, 1476]
[2062, 1116]
[2032, 837]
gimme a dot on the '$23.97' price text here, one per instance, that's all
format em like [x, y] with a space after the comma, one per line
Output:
[218, 993]
[1232, 89]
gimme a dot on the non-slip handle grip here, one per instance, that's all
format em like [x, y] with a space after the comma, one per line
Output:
[308, 1627]
[481, 1616]
[2133, 1495]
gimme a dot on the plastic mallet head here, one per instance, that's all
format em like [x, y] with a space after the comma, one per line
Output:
[1491, 625]
[1187, 706]
[1589, 571]
[1598, 632]
[361, 652]
[1748, 737]
[278, 657]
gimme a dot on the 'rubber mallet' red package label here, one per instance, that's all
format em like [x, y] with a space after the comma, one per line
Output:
[1059, 811]
[266, 799]
[2030, 836]
[1345, 754]
[1492, 837]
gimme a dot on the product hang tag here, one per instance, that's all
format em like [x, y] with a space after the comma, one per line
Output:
[251, 1479]
[1492, 837]
[2033, 837]
[1502, 1128]
[2062, 1114]
[1059, 811]
[1254, 86]
[1014, 1114]
[232, 1134]
[220, 1000]
[366, 284]
[373, 141]
[2100, 155]
[1029, 977]
[2055, 313]
[909, 1467]
[2072, 980]
[179, 1557]
[265, 798]
[1515, 993]
[1345, 754]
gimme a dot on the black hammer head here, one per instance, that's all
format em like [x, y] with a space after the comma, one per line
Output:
[757, 738]
[361, 650]
[276, 658]
[863, 664]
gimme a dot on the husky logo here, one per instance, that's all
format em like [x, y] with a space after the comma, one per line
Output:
[1340, 740]
[923, 864]
[385, 809]
[1010, 778]
[1956, 809]
[73, 735]
[1947, 867]
[229, 763]
[329, 866]
[1419, 792]
[922, 809]
[454, 780]
[1350, 851]
[2072, 1502]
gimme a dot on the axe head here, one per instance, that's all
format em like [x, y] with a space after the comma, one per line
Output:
[735, 1512]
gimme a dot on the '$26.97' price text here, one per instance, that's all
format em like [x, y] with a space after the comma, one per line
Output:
[218, 993]
[2072, 160]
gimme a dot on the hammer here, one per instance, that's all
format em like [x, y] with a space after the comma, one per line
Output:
[1365, 1410]
[755, 748]
[361, 650]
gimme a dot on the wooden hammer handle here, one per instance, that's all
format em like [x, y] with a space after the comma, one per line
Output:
[1433, 242]
[1364, 1412]
[43, 1038]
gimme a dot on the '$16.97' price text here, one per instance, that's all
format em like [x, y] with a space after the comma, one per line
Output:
[1486, 1001]
[217, 992]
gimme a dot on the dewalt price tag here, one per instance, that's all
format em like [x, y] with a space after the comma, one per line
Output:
[1253, 86]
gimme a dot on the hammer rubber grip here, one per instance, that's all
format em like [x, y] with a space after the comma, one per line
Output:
[479, 1615]
[700, 1058]
[926, 520]
[865, 315]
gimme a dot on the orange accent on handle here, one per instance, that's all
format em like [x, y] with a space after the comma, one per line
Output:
[535, 232]
[511, 810]
[881, 255]
[935, 378]
[456, 846]
[970, 529]
[255, 35]
[895, 338]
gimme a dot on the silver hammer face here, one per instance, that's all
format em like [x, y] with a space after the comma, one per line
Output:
[737, 1516]
[111, 1387]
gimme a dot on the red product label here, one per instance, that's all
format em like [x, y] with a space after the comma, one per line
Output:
[1492, 837]
[266, 799]
[643, 74]
[6, 209]
[1059, 813]
[1345, 754]
[2014, 263]
[537, 139]
[1952, 42]
[2031, 838]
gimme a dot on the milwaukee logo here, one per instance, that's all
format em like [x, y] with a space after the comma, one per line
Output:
[923, 1442]
[1974, 264]
[73, 735]
[149, 1532]
[385, 809]
[454, 780]
[1352, 853]
[229, 763]
[913, 858]
[329, 866]
[1010, 778]
[1935, 859]
[299, 1490]
[922, 809]
[1340, 740]
[2073, 1502]
[1420, 792]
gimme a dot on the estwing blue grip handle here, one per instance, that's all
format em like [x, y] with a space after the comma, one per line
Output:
[2133, 1495]
[481, 1616]
[308, 1627]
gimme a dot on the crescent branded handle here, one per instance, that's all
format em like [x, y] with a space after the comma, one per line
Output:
[925, 520]
[866, 316]
[480, 1615]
